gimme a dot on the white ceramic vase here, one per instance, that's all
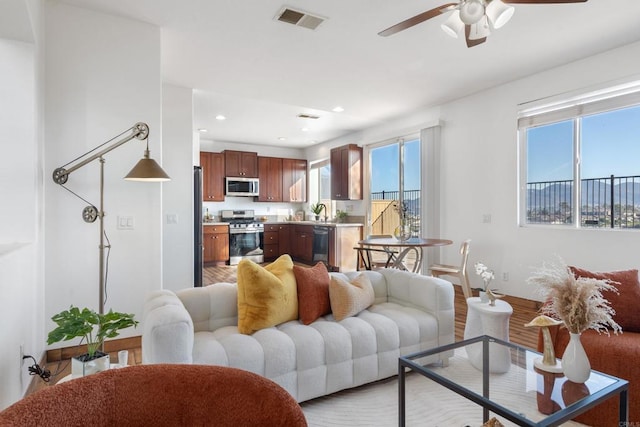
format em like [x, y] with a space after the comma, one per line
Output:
[483, 296]
[575, 363]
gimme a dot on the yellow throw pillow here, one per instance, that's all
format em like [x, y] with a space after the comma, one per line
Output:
[348, 299]
[267, 296]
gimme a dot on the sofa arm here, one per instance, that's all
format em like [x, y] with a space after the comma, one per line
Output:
[211, 307]
[426, 293]
[167, 331]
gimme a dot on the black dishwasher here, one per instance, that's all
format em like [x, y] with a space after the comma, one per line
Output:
[321, 244]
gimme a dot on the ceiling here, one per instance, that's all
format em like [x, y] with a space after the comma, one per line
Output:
[261, 73]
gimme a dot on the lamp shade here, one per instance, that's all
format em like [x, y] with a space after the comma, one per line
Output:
[453, 26]
[471, 11]
[147, 170]
[499, 13]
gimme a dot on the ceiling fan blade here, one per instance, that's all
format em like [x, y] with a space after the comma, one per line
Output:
[408, 23]
[472, 43]
[542, 1]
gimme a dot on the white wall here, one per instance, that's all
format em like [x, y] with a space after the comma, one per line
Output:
[102, 76]
[479, 176]
[177, 194]
[21, 284]
[478, 156]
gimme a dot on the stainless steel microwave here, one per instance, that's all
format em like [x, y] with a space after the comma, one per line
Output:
[242, 186]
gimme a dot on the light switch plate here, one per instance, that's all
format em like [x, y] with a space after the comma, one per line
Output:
[125, 223]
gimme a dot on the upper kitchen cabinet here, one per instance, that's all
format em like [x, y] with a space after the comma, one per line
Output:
[212, 165]
[241, 163]
[346, 173]
[294, 180]
[270, 175]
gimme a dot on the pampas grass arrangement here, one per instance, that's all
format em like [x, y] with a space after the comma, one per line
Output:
[578, 302]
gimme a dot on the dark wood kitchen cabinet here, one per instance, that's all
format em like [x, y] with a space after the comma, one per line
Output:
[294, 180]
[215, 240]
[241, 164]
[346, 173]
[302, 243]
[276, 240]
[212, 165]
[270, 174]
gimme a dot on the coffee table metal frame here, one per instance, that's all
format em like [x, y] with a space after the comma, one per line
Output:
[619, 387]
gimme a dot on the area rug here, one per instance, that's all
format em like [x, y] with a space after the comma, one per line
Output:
[428, 404]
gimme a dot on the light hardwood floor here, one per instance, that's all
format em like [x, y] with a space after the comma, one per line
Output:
[59, 360]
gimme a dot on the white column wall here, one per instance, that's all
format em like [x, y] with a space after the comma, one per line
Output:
[177, 194]
[21, 284]
[102, 76]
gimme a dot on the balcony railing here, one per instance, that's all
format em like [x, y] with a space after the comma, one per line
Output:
[612, 202]
[385, 217]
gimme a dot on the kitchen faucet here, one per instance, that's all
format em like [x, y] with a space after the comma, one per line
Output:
[325, 211]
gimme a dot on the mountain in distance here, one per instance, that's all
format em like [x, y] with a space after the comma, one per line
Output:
[594, 193]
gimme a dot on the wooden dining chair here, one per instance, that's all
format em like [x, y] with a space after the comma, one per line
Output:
[365, 254]
[459, 271]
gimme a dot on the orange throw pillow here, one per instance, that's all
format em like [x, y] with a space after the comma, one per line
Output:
[313, 292]
[626, 301]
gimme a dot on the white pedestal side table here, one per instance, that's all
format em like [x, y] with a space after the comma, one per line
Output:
[484, 319]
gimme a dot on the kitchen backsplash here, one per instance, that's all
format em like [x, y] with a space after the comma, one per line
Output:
[279, 211]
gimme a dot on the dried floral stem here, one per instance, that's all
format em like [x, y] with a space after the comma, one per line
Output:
[578, 302]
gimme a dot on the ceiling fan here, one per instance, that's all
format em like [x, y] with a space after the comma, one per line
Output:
[476, 17]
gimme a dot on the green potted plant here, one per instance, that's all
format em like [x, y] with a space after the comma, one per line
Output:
[316, 208]
[341, 216]
[93, 328]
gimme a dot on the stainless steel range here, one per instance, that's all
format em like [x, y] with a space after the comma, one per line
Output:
[246, 236]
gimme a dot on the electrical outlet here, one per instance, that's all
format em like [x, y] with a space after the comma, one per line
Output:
[505, 276]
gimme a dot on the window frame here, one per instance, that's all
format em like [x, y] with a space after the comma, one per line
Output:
[574, 108]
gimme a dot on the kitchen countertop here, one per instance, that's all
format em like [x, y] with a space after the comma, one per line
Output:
[318, 223]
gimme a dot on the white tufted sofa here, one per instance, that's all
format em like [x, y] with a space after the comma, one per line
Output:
[199, 326]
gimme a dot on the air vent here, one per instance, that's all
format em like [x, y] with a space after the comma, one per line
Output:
[299, 19]
[307, 116]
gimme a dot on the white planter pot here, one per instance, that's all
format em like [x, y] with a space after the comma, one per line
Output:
[81, 368]
[575, 363]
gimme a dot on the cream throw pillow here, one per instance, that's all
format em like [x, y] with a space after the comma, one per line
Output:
[348, 299]
[267, 296]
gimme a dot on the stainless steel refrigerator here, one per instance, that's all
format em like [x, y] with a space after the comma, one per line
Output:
[197, 226]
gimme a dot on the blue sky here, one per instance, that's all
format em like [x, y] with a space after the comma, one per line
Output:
[610, 145]
[384, 167]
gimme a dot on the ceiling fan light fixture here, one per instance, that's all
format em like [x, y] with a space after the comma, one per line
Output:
[453, 25]
[499, 13]
[471, 11]
[480, 29]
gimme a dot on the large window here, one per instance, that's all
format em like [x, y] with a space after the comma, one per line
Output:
[580, 164]
[395, 182]
[320, 185]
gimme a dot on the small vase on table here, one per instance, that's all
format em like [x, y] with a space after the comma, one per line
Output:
[575, 363]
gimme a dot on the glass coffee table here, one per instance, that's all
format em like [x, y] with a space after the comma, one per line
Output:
[523, 394]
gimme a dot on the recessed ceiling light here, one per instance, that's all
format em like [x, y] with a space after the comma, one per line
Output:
[282, 138]
[203, 130]
[305, 129]
[338, 109]
[220, 117]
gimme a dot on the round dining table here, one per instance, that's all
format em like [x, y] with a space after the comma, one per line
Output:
[397, 250]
